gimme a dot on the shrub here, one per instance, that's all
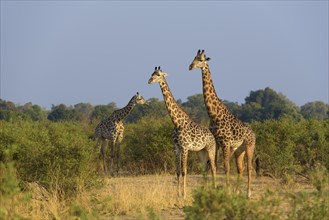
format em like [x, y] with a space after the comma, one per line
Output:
[287, 146]
[148, 147]
[222, 204]
[56, 155]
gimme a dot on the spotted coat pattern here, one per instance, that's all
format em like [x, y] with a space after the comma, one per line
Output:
[187, 135]
[234, 136]
[111, 130]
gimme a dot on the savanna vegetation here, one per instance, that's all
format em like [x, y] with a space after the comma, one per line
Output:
[49, 166]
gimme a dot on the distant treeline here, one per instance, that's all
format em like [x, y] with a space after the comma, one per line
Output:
[260, 105]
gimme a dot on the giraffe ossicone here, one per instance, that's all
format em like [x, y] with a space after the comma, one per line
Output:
[111, 130]
[230, 133]
[187, 135]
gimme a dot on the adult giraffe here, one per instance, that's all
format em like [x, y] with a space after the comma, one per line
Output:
[188, 135]
[230, 133]
[111, 129]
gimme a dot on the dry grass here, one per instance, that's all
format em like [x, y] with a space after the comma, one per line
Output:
[139, 197]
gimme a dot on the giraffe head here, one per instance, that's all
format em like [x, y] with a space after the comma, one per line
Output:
[199, 61]
[157, 76]
[138, 99]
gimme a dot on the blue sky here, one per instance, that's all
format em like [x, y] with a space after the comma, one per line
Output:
[55, 52]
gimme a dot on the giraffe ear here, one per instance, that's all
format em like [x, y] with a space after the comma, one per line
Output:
[208, 58]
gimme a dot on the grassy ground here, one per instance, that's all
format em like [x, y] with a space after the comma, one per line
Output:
[149, 197]
[139, 197]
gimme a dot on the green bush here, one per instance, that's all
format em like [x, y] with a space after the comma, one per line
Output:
[56, 155]
[220, 203]
[148, 146]
[314, 204]
[287, 146]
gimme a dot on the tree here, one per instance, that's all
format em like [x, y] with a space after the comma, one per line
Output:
[268, 104]
[33, 112]
[84, 111]
[62, 113]
[195, 108]
[154, 109]
[8, 110]
[103, 111]
[315, 110]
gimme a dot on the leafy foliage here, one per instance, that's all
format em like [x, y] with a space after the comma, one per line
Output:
[260, 105]
[221, 204]
[287, 146]
[148, 146]
[315, 110]
[57, 155]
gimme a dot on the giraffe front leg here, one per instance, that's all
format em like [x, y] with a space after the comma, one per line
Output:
[250, 151]
[118, 153]
[184, 172]
[212, 160]
[117, 158]
[178, 172]
[227, 154]
[177, 151]
[102, 154]
[112, 158]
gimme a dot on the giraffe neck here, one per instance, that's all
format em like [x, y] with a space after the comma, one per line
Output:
[177, 114]
[214, 105]
[120, 114]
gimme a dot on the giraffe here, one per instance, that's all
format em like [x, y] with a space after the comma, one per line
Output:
[111, 129]
[187, 135]
[230, 133]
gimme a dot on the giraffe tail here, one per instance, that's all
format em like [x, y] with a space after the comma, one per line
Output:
[92, 137]
[257, 162]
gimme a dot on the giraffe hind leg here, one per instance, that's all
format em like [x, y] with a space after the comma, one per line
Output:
[118, 157]
[250, 148]
[227, 156]
[212, 161]
[184, 171]
[239, 161]
[102, 154]
[178, 172]
[112, 156]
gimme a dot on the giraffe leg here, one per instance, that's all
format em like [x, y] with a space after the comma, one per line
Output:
[113, 143]
[178, 171]
[216, 155]
[118, 157]
[250, 151]
[184, 167]
[212, 160]
[227, 155]
[102, 154]
[239, 160]
[177, 151]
